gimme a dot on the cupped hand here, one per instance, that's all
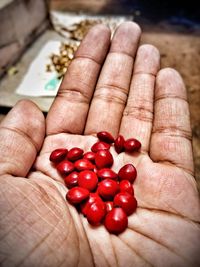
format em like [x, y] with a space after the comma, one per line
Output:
[117, 87]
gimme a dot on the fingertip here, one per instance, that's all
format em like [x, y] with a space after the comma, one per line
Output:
[130, 26]
[95, 44]
[170, 82]
[147, 59]
[126, 38]
[100, 28]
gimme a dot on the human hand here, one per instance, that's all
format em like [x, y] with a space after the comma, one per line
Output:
[38, 227]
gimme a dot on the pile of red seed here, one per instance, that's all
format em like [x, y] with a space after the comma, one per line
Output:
[101, 194]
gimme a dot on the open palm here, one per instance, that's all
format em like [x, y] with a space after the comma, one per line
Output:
[102, 91]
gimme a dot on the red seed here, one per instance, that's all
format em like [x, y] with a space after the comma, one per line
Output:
[92, 198]
[116, 221]
[107, 173]
[131, 145]
[105, 137]
[65, 167]
[89, 156]
[95, 170]
[108, 188]
[126, 201]
[100, 146]
[127, 172]
[77, 194]
[119, 144]
[109, 206]
[126, 186]
[103, 159]
[74, 153]
[71, 180]
[96, 212]
[83, 164]
[88, 179]
[58, 155]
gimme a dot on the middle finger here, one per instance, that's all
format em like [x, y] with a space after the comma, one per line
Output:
[113, 85]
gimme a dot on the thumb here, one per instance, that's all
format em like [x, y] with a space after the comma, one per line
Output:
[21, 136]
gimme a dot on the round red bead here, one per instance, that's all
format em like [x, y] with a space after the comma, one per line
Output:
[96, 212]
[126, 201]
[127, 172]
[58, 155]
[77, 194]
[116, 221]
[92, 198]
[65, 167]
[126, 186]
[105, 137]
[131, 145]
[74, 153]
[107, 173]
[108, 188]
[88, 179]
[119, 144]
[83, 164]
[100, 146]
[71, 180]
[103, 159]
[89, 156]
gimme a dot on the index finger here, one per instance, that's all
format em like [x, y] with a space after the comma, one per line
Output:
[69, 110]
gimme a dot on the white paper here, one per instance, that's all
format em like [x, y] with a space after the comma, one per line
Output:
[37, 81]
[64, 21]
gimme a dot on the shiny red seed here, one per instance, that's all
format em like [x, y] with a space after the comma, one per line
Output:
[74, 153]
[95, 170]
[92, 198]
[126, 186]
[89, 156]
[105, 137]
[58, 155]
[116, 221]
[106, 173]
[100, 146]
[77, 194]
[126, 201]
[83, 164]
[127, 172]
[131, 145]
[103, 159]
[88, 179]
[71, 180]
[108, 188]
[65, 167]
[109, 205]
[96, 212]
[119, 144]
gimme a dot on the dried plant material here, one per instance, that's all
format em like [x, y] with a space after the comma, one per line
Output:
[60, 62]
[79, 30]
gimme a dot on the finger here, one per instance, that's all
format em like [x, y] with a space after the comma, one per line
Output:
[113, 85]
[69, 110]
[138, 114]
[21, 136]
[171, 137]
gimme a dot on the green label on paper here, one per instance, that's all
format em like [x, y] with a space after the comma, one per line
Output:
[52, 84]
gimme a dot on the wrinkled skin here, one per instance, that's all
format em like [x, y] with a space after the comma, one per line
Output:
[132, 97]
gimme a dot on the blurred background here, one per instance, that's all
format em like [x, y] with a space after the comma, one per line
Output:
[39, 37]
